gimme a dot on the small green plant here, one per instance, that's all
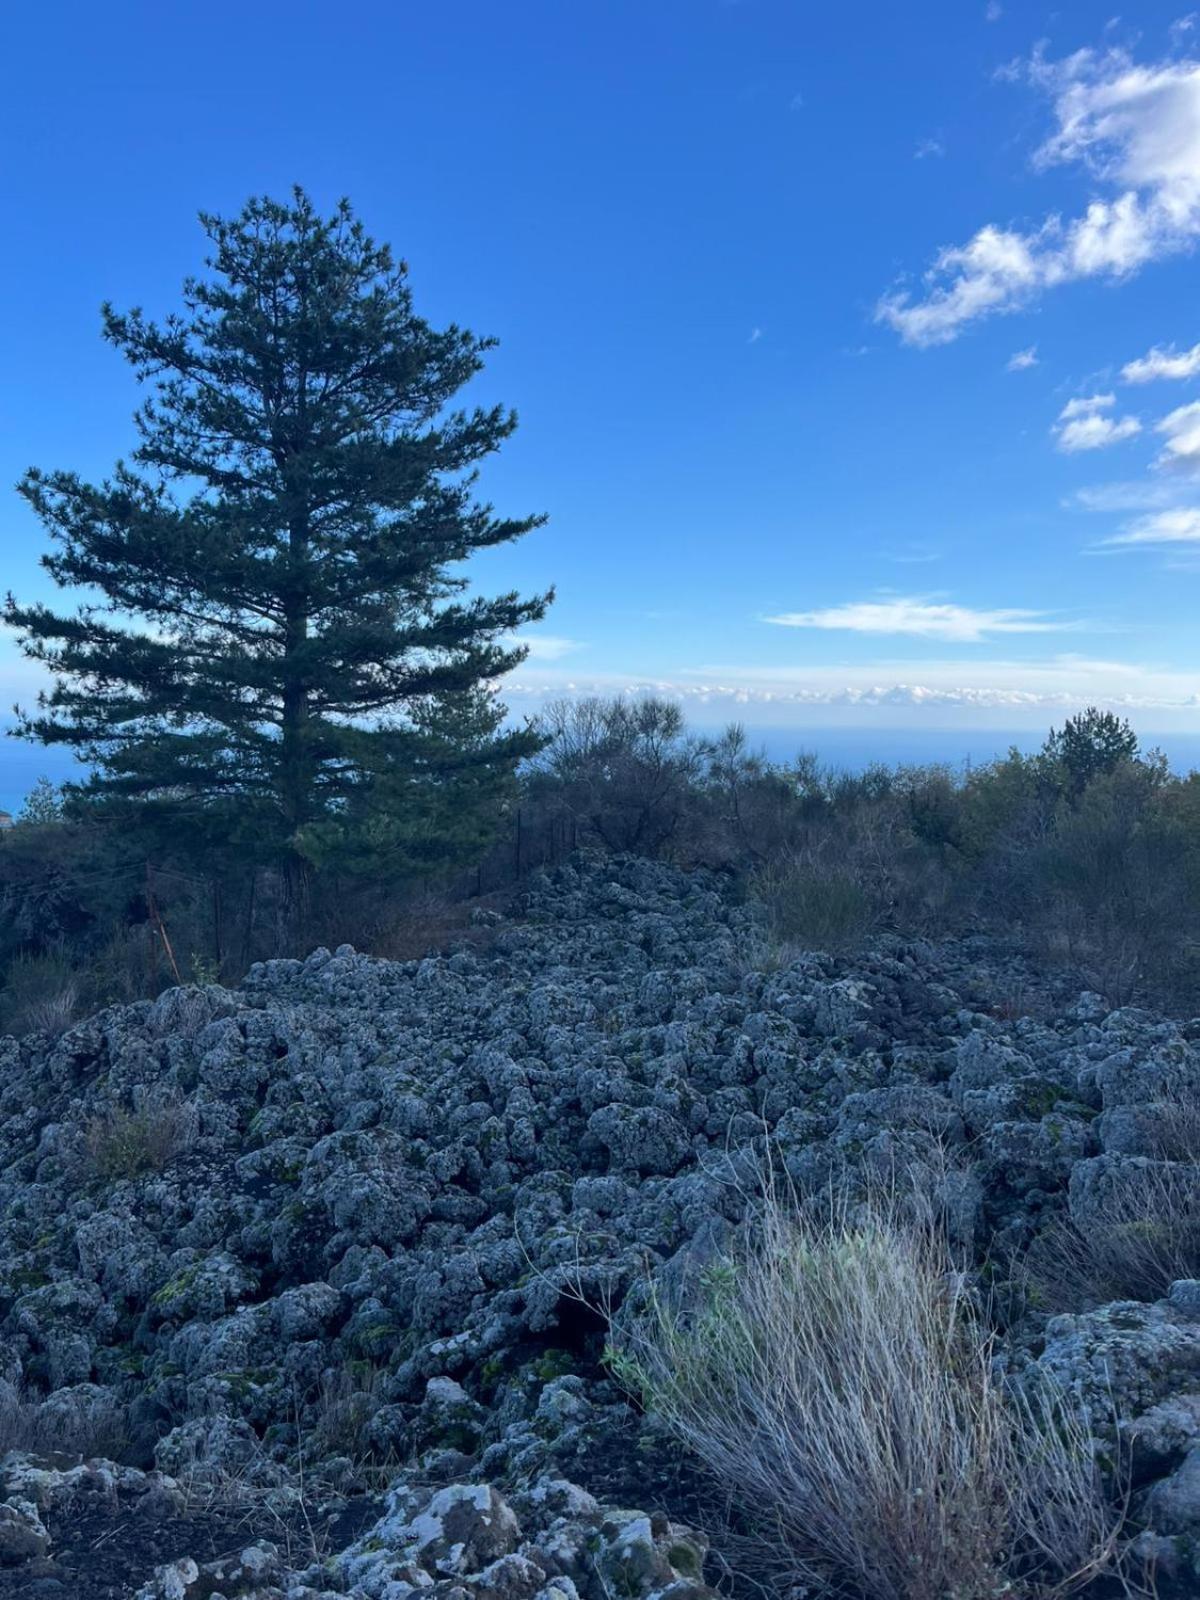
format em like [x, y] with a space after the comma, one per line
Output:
[129, 1143]
[204, 969]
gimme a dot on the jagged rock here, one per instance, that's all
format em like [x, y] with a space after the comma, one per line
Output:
[23, 1536]
[411, 1194]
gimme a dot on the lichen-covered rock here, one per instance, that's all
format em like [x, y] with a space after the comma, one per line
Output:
[22, 1533]
[411, 1195]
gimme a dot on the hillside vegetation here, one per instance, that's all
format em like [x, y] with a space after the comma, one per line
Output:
[1086, 855]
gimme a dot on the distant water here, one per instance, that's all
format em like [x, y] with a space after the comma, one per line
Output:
[852, 749]
[21, 765]
[849, 749]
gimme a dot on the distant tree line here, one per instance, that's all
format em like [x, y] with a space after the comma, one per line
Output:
[1085, 853]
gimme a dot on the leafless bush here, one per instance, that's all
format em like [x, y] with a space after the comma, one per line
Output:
[838, 1384]
[626, 771]
[125, 1143]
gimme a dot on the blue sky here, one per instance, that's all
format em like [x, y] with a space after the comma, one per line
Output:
[853, 346]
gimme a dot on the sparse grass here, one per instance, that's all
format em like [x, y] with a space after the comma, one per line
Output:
[836, 1380]
[41, 995]
[1142, 1235]
[68, 1426]
[337, 1418]
[129, 1143]
[813, 904]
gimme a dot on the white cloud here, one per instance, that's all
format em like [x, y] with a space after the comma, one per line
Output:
[1017, 692]
[1022, 360]
[543, 646]
[1135, 130]
[993, 12]
[1095, 432]
[1180, 526]
[1083, 424]
[796, 103]
[1181, 430]
[1142, 495]
[920, 616]
[755, 335]
[1084, 404]
[929, 147]
[1160, 363]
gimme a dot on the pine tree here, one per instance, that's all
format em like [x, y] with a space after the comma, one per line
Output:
[1090, 744]
[282, 650]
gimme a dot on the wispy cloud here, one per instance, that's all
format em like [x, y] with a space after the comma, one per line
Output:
[544, 646]
[796, 103]
[1084, 424]
[1179, 526]
[755, 335]
[1134, 129]
[1022, 360]
[928, 147]
[1162, 363]
[920, 616]
[914, 553]
[1181, 430]
[993, 11]
[1143, 494]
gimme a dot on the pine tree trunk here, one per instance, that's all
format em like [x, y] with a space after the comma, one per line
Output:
[297, 904]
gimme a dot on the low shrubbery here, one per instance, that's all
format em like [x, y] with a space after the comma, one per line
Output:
[1087, 852]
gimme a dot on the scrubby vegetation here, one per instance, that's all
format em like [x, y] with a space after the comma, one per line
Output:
[1086, 853]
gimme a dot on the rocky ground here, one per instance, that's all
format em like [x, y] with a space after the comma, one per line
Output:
[303, 1285]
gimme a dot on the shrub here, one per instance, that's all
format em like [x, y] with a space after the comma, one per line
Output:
[836, 1381]
[624, 770]
[127, 1144]
[41, 995]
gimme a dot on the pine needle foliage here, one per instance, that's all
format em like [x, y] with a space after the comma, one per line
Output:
[275, 642]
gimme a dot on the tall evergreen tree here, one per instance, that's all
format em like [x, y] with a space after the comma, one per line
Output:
[281, 645]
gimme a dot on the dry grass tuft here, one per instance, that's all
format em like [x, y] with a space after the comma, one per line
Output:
[1142, 1235]
[837, 1381]
[71, 1425]
[814, 904]
[126, 1144]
